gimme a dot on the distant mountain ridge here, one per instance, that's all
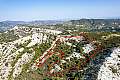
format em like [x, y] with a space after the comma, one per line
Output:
[5, 25]
[84, 23]
[39, 22]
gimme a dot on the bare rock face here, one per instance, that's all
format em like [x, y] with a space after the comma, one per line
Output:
[110, 70]
[26, 58]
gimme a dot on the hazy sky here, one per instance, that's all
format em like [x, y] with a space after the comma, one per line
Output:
[58, 9]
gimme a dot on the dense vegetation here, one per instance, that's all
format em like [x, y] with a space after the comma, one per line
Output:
[8, 36]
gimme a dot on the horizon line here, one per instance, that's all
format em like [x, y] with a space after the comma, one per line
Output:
[67, 19]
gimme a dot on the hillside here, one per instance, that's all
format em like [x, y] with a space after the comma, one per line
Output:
[51, 52]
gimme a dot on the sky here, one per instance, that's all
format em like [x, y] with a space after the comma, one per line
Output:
[29, 10]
